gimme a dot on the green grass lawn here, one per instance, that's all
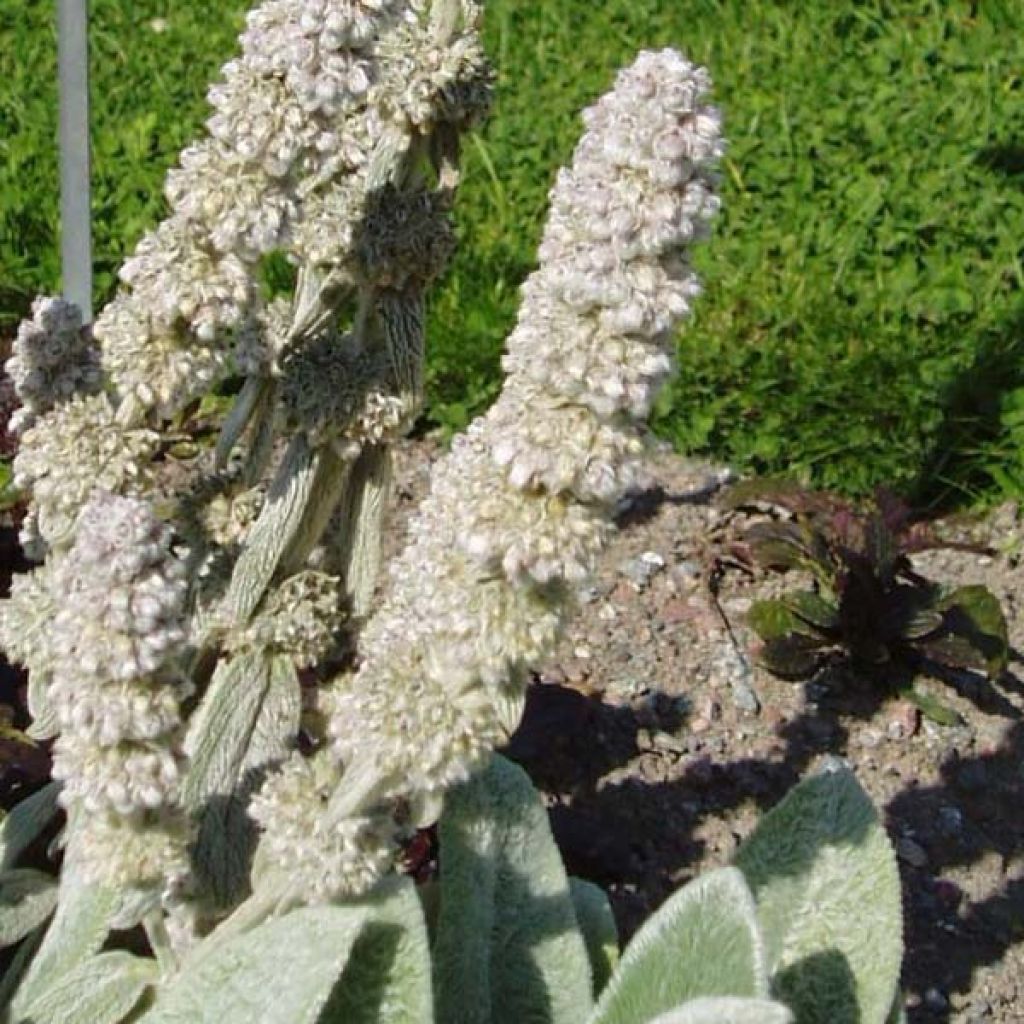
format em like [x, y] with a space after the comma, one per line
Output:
[863, 321]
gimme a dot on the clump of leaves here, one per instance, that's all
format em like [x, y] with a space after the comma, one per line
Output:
[865, 603]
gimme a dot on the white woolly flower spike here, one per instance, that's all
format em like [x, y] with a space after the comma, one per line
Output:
[117, 633]
[519, 509]
[322, 861]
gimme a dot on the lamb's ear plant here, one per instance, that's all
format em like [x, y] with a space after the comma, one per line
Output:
[241, 737]
[805, 927]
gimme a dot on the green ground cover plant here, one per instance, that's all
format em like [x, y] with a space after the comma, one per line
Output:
[863, 604]
[862, 321]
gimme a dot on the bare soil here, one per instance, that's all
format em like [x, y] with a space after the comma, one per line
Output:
[658, 741]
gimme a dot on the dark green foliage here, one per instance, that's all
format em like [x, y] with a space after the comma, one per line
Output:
[865, 603]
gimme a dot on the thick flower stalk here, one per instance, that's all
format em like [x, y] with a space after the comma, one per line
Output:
[521, 506]
[116, 690]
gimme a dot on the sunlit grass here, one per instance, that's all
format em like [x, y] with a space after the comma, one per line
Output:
[863, 320]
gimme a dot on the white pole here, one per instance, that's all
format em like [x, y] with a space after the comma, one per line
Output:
[76, 230]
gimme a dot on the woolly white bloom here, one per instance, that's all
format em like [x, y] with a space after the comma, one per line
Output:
[406, 237]
[53, 358]
[331, 390]
[251, 218]
[324, 91]
[26, 619]
[74, 449]
[132, 853]
[178, 278]
[300, 618]
[559, 447]
[424, 82]
[159, 367]
[595, 325]
[519, 508]
[321, 860]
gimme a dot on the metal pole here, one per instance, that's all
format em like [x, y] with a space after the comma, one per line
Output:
[76, 229]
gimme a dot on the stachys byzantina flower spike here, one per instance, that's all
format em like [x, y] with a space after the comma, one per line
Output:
[521, 506]
[116, 690]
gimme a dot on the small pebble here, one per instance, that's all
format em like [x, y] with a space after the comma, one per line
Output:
[711, 709]
[904, 721]
[675, 612]
[575, 671]
[869, 739]
[640, 571]
[979, 1009]
[665, 741]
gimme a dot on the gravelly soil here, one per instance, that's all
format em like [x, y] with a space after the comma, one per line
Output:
[658, 743]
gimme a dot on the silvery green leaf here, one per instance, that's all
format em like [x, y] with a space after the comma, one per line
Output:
[509, 702]
[897, 1015]
[26, 822]
[826, 883]
[387, 978]
[282, 972]
[219, 732]
[77, 931]
[134, 904]
[280, 716]
[356, 543]
[274, 531]
[253, 393]
[27, 899]
[597, 922]
[704, 941]
[100, 990]
[425, 809]
[508, 948]
[248, 719]
[16, 969]
[727, 1010]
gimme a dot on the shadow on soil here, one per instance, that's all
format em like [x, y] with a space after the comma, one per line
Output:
[639, 835]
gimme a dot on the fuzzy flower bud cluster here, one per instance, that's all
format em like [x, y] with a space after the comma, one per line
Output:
[520, 507]
[302, 121]
[52, 359]
[322, 859]
[300, 619]
[117, 633]
[74, 449]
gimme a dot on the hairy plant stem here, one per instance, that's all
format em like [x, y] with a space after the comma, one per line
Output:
[354, 548]
[155, 926]
[246, 407]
